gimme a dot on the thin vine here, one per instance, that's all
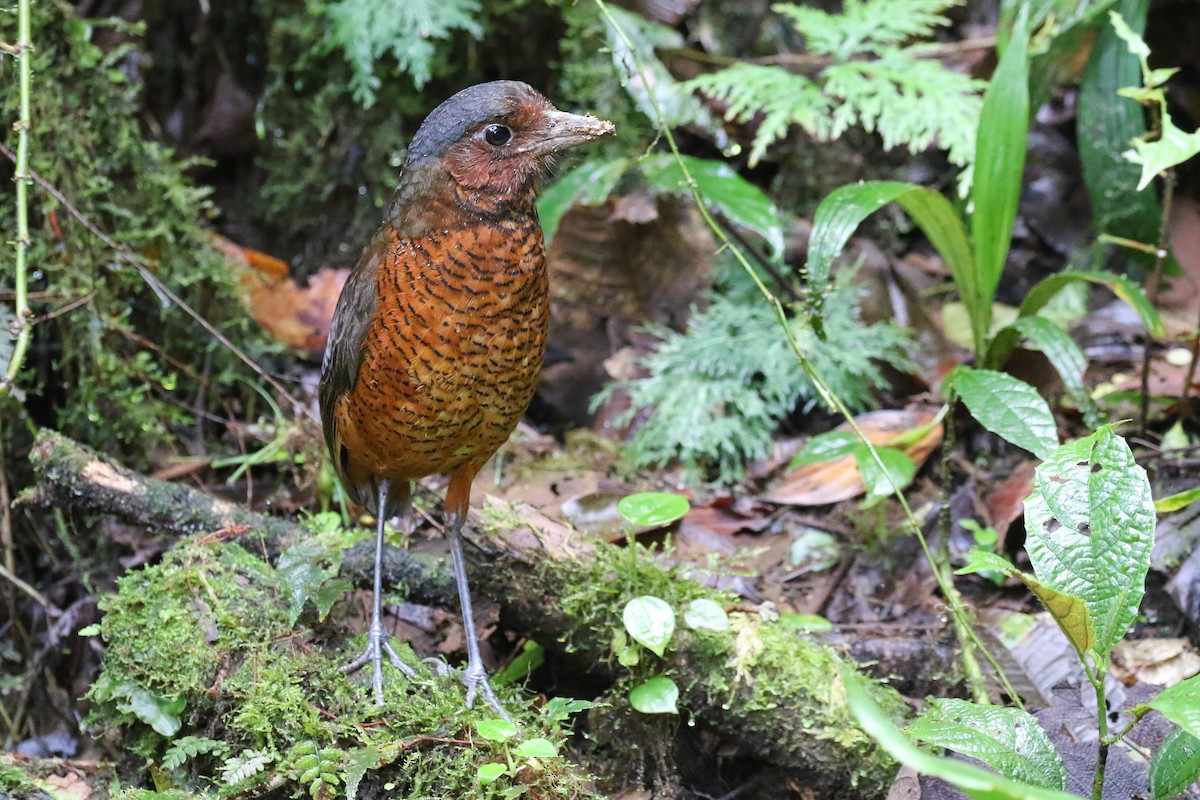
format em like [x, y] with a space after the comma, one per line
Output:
[21, 326]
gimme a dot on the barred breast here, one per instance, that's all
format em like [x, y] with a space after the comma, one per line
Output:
[453, 354]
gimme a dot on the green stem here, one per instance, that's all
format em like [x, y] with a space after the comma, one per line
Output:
[957, 611]
[24, 48]
[1102, 727]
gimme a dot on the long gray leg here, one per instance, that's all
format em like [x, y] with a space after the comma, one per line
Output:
[377, 639]
[475, 677]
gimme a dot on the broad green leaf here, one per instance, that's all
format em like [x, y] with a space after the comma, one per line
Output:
[656, 696]
[976, 782]
[999, 166]
[898, 471]
[1067, 359]
[1175, 765]
[160, 713]
[559, 709]
[1175, 501]
[1070, 612]
[1105, 126]
[1181, 704]
[305, 576]
[825, 447]
[1119, 285]
[496, 730]
[652, 509]
[841, 212]
[650, 621]
[532, 656]
[488, 773]
[737, 199]
[536, 748]
[1008, 740]
[1008, 407]
[707, 615]
[587, 184]
[1089, 529]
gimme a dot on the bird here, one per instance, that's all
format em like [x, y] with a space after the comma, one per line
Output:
[439, 334]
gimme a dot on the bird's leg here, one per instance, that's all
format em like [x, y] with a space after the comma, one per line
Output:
[475, 677]
[377, 640]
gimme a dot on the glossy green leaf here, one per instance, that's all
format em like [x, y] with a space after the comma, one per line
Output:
[650, 621]
[652, 509]
[737, 199]
[999, 167]
[1008, 407]
[897, 473]
[974, 781]
[658, 695]
[160, 713]
[1119, 285]
[532, 656]
[1181, 704]
[1105, 126]
[841, 212]
[825, 447]
[1066, 357]
[706, 615]
[1008, 740]
[588, 184]
[488, 773]
[496, 730]
[536, 748]
[1089, 529]
[1175, 765]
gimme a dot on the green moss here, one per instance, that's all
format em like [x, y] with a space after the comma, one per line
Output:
[200, 646]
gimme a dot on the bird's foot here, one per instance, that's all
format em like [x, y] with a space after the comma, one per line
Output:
[377, 645]
[475, 679]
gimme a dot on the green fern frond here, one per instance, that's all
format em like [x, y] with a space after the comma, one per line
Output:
[910, 101]
[866, 26]
[366, 30]
[783, 100]
[716, 394]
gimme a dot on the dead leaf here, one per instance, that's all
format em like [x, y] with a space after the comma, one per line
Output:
[828, 482]
[297, 317]
[1163, 662]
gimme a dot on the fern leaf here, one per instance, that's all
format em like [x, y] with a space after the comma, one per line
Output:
[783, 100]
[866, 26]
[188, 747]
[909, 101]
[366, 30]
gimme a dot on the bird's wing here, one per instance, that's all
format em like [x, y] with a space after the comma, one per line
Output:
[343, 351]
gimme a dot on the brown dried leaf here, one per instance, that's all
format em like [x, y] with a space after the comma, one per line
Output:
[833, 481]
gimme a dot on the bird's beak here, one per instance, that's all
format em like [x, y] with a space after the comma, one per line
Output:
[561, 130]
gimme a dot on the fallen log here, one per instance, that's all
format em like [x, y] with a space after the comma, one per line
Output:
[770, 690]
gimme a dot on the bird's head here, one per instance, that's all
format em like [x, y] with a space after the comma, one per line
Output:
[495, 139]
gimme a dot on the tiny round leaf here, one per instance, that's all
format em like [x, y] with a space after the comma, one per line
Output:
[652, 509]
[655, 696]
[704, 614]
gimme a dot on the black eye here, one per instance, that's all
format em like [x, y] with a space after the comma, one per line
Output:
[497, 135]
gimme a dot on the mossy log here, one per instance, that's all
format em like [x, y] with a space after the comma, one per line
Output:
[773, 692]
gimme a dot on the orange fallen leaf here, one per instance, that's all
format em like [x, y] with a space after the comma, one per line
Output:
[827, 482]
[297, 317]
